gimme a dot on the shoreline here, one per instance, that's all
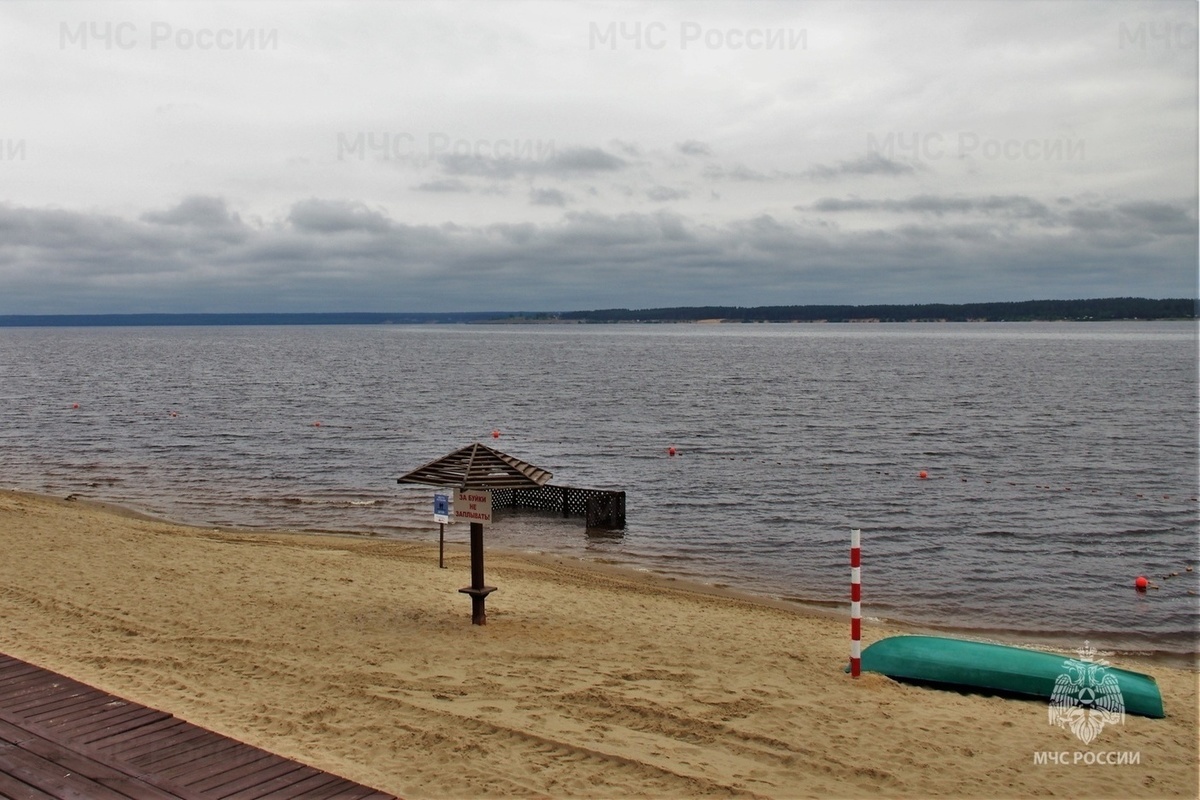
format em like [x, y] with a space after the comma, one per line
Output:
[356, 655]
[1055, 641]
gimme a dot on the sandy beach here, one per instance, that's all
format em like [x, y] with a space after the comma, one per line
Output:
[356, 655]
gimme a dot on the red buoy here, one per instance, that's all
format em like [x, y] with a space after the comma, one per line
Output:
[317, 424]
[1141, 583]
[670, 451]
[74, 405]
[495, 434]
[922, 474]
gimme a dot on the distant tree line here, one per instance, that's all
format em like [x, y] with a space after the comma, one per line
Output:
[1083, 310]
[1109, 308]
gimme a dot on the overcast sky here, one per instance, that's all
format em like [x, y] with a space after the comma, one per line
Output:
[376, 156]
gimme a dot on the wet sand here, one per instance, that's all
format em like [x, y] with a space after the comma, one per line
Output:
[356, 655]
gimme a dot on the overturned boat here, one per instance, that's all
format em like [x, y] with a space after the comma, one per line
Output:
[1066, 682]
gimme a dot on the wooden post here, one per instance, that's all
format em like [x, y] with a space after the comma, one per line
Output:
[855, 603]
[476, 555]
[477, 590]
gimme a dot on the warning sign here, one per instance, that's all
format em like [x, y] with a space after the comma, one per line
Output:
[473, 505]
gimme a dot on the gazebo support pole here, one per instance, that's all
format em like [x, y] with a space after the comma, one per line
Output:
[477, 589]
[476, 555]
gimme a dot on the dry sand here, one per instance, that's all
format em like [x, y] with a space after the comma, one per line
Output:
[356, 656]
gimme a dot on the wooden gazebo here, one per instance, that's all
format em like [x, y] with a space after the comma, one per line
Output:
[478, 467]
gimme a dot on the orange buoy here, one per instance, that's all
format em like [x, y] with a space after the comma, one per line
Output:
[922, 474]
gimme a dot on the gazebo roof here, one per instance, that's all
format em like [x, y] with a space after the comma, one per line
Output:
[478, 466]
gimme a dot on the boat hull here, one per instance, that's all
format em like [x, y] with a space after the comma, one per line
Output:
[980, 665]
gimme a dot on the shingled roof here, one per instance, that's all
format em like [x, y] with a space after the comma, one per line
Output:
[478, 466]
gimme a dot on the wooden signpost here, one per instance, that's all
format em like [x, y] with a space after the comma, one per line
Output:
[475, 506]
[441, 515]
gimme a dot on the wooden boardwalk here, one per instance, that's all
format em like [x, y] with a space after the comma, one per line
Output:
[63, 739]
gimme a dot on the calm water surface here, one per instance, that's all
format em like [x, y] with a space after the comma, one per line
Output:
[1061, 458]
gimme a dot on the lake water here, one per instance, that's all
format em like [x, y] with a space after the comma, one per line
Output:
[1061, 457]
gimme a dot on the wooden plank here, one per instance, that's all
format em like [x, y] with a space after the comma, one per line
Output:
[92, 729]
[13, 734]
[309, 787]
[82, 713]
[115, 743]
[265, 789]
[171, 738]
[216, 763]
[371, 794]
[15, 789]
[217, 751]
[140, 789]
[31, 670]
[11, 680]
[50, 777]
[221, 786]
[230, 781]
[16, 679]
[60, 738]
[162, 759]
[112, 777]
[27, 708]
[341, 789]
[32, 689]
[346, 790]
[15, 666]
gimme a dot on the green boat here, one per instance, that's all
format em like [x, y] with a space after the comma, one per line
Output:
[1067, 682]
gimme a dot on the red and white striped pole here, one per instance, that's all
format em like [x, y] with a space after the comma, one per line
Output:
[855, 605]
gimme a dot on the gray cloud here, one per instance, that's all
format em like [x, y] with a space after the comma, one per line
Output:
[547, 197]
[1013, 205]
[339, 255]
[443, 185]
[284, 178]
[629, 149]
[570, 162]
[740, 172]
[691, 147]
[584, 159]
[1113, 226]
[869, 164]
[199, 211]
[336, 216]
[1162, 218]
[663, 194]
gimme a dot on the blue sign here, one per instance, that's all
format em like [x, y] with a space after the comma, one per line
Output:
[441, 508]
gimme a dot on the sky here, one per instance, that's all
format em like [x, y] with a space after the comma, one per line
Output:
[551, 156]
